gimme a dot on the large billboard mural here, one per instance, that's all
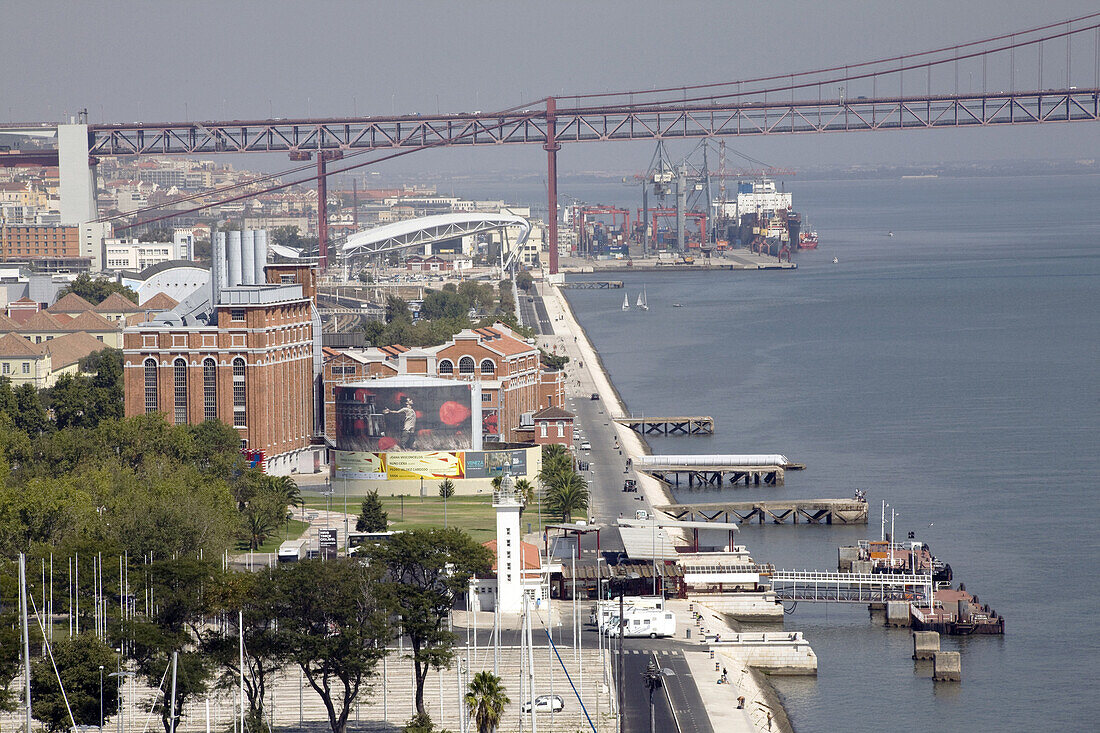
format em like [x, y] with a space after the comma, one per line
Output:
[421, 418]
[397, 465]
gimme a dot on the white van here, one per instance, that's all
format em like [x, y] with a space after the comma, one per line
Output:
[293, 550]
[644, 622]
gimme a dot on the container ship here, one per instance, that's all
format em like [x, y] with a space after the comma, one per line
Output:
[763, 220]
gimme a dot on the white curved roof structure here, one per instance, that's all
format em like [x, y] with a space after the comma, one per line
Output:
[427, 229]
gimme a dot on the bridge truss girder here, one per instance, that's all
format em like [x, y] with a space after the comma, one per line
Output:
[591, 124]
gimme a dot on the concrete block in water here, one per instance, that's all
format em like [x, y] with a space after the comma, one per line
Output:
[925, 644]
[862, 567]
[947, 666]
[897, 613]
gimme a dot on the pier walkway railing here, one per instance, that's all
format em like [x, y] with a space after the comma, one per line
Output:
[822, 587]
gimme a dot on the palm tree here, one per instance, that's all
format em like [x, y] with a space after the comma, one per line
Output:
[446, 488]
[553, 450]
[568, 492]
[525, 490]
[485, 699]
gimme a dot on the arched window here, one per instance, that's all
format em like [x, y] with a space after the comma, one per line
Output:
[209, 389]
[488, 367]
[151, 404]
[446, 367]
[466, 365]
[239, 394]
[179, 384]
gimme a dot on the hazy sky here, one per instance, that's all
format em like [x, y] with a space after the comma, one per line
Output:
[157, 61]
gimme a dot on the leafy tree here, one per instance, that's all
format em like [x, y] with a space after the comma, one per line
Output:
[79, 661]
[524, 281]
[334, 628]
[30, 415]
[178, 585]
[567, 493]
[252, 597]
[157, 234]
[372, 517]
[552, 361]
[425, 569]
[419, 723]
[446, 488]
[485, 699]
[443, 304]
[96, 290]
[397, 309]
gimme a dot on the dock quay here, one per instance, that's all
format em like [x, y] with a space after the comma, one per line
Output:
[696, 425]
[809, 511]
[716, 470]
[592, 284]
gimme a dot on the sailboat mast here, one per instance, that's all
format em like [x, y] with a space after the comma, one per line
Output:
[23, 607]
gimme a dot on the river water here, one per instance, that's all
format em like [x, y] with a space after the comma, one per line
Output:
[952, 370]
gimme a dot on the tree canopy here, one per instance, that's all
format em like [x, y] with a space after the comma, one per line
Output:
[424, 570]
[96, 290]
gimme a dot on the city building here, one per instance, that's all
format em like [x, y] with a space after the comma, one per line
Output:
[32, 242]
[506, 366]
[132, 254]
[241, 350]
[40, 364]
[553, 425]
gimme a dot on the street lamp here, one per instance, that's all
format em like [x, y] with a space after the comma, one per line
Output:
[653, 682]
[617, 586]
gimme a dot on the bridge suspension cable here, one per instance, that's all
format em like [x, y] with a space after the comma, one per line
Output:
[848, 67]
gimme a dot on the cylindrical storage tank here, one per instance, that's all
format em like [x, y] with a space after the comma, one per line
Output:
[234, 256]
[261, 255]
[248, 257]
[217, 267]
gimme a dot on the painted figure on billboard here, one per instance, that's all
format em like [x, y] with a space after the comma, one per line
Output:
[382, 418]
[408, 426]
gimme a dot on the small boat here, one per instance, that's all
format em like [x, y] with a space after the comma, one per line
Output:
[835, 260]
[677, 305]
[641, 300]
[626, 302]
[890, 234]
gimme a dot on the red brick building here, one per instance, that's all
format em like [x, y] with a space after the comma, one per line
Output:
[249, 363]
[553, 425]
[512, 380]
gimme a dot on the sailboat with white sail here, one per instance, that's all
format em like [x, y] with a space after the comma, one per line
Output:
[626, 302]
[642, 301]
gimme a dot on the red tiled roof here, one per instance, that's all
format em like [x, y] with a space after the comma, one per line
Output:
[71, 303]
[12, 344]
[89, 321]
[530, 555]
[553, 413]
[160, 302]
[115, 303]
[44, 321]
[71, 348]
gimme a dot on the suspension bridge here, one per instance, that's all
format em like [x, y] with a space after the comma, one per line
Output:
[1040, 75]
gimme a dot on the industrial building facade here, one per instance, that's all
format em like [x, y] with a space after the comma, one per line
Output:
[247, 361]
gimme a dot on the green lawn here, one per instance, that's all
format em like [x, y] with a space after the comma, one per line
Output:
[291, 530]
[474, 514]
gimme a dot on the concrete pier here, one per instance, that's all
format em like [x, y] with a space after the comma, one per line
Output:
[947, 666]
[925, 644]
[897, 613]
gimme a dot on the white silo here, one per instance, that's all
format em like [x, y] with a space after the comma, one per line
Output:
[234, 256]
[248, 258]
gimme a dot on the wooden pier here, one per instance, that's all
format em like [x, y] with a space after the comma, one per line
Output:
[716, 476]
[593, 285]
[698, 425]
[809, 511]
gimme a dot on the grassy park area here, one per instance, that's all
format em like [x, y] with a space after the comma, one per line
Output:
[474, 514]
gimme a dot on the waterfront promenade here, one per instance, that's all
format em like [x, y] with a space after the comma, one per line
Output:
[612, 444]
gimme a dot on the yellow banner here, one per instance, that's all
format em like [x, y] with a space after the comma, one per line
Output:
[414, 465]
[359, 465]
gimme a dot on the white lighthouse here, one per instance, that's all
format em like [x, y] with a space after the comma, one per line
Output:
[509, 547]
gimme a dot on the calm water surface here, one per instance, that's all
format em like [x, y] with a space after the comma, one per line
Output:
[951, 370]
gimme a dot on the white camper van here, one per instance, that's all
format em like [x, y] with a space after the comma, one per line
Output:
[644, 622]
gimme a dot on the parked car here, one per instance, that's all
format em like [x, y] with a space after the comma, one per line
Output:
[545, 704]
[586, 445]
[595, 395]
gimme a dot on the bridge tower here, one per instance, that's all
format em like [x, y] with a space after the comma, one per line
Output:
[78, 204]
